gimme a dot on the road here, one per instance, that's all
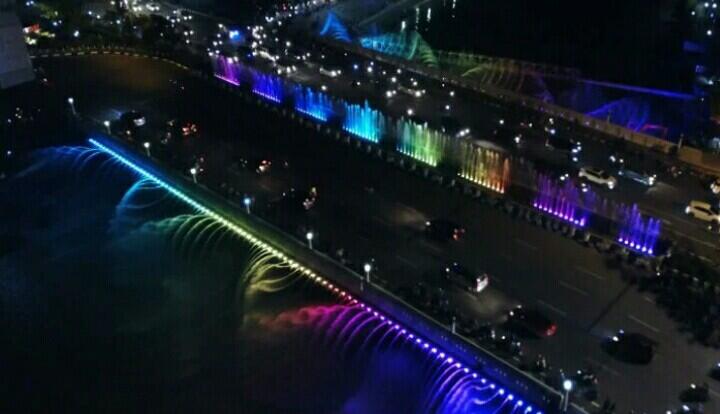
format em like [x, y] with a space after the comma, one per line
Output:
[572, 284]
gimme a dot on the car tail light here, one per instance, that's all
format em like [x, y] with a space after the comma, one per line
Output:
[551, 330]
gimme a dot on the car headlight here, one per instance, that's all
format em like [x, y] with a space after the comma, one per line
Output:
[687, 210]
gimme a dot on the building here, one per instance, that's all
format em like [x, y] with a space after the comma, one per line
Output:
[15, 65]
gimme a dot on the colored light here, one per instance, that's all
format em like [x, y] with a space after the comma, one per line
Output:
[253, 240]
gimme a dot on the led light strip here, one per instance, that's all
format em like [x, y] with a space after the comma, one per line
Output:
[340, 293]
[313, 115]
[228, 80]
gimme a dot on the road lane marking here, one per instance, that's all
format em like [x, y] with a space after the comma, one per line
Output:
[715, 393]
[432, 247]
[589, 273]
[573, 288]
[552, 308]
[649, 299]
[602, 366]
[526, 244]
[645, 324]
[408, 262]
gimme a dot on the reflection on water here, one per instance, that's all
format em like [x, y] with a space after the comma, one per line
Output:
[121, 299]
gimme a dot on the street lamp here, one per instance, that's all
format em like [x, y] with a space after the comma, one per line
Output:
[146, 144]
[107, 126]
[367, 268]
[247, 201]
[193, 172]
[309, 237]
[567, 386]
[71, 102]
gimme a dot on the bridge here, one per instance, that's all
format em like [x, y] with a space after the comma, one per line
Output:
[523, 393]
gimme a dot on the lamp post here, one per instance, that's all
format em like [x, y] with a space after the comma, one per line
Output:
[309, 237]
[193, 172]
[107, 126]
[247, 201]
[71, 102]
[146, 144]
[367, 268]
[567, 387]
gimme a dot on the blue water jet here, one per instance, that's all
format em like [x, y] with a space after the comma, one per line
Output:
[312, 103]
[364, 122]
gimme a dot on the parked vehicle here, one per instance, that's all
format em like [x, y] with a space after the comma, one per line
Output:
[703, 211]
[531, 321]
[598, 176]
[474, 282]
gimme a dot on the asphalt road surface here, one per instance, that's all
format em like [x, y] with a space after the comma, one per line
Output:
[569, 283]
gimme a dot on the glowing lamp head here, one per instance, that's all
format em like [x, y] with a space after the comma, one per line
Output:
[247, 201]
[146, 145]
[309, 235]
[193, 171]
[567, 385]
[367, 267]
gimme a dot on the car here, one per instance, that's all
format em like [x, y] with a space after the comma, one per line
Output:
[443, 230]
[451, 126]
[634, 348]
[186, 15]
[296, 201]
[474, 282]
[598, 176]
[715, 186]
[133, 119]
[564, 145]
[330, 72]
[265, 53]
[285, 67]
[703, 211]
[531, 321]
[412, 90]
[643, 177]
[552, 170]
[153, 7]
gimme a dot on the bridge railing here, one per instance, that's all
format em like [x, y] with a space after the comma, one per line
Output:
[706, 164]
[469, 352]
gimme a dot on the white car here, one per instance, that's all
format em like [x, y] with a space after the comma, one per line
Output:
[703, 211]
[330, 72]
[153, 7]
[597, 176]
[715, 186]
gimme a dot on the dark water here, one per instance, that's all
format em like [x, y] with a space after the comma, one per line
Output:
[117, 298]
[637, 42]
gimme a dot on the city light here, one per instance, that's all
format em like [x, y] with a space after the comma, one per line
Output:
[341, 294]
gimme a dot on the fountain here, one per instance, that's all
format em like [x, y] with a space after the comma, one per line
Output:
[227, 69]
[420, 142]
[383, 349]
[484, 166]
[314, 104]
[364, 122]
[560, 200]
[637, 233]
[268, 86]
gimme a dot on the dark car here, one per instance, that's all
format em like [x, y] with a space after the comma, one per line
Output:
[639, 175]
[466, 279]
[132, 119]
[633, 348]
[296, 201]
[531, 321]
[443, 230]
[564, 145]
